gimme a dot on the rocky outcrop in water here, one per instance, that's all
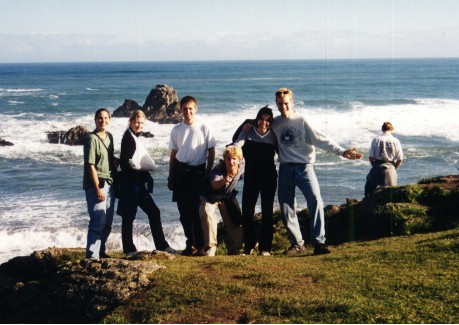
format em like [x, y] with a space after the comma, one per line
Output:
[161, 106]
[5, 143]
[73, 137]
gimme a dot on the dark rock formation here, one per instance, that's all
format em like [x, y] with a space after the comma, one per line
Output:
[160, 106]
[126, 109]
[73, 137]
[50, 286]
[146, 134]
[5, 143]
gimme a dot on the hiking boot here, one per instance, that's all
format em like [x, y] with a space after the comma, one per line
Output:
[295, 250]
[320, 249]
[200, 252]
[189, 251]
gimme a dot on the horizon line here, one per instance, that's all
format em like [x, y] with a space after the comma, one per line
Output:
[234, 60]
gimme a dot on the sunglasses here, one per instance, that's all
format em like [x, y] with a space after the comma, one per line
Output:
[284, 92]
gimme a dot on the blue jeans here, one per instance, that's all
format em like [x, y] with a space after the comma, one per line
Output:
[303, 177]
[100, 220]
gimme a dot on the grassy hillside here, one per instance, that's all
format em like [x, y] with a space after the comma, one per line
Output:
[407, 279]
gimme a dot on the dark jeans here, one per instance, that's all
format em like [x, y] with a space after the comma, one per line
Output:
[133, 194]
[264, 184]
[187, 190]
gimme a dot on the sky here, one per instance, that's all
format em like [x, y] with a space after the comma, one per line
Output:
[188, 30]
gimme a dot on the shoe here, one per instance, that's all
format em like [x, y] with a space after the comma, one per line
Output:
[131, 255]
[104, 255]
[320, 249]
[249, 251]
[211, 251]
[199, 252]
[170, 250]
[295, 250]
[189, 251]
[265, 253]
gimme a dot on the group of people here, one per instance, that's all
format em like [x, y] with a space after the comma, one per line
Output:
[199, 188]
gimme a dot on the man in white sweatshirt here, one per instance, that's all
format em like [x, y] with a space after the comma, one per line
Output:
[297, 141]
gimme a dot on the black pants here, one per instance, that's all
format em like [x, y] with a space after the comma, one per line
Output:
[187, 190]
[261, 183]
[133, 194]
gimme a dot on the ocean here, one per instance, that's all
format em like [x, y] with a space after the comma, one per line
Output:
[42, 200]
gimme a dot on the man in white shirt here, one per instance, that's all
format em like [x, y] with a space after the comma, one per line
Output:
[297, 140]
[192, 157]
[385, 156]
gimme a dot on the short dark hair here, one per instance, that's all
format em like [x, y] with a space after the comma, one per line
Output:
[100, 110]
[188, 99]
[387, 126]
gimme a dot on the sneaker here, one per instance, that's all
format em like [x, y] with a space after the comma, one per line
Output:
[295, 250]
[265, 253]
[132, 254]
[249, 251]
[170, 250]
[320, 249]
[211, 251]
[189, 251]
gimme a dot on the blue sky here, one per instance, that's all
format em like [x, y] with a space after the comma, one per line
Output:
[141, 30]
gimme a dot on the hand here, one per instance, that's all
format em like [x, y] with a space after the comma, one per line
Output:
[170, 184]
[352, 154]
[100, 195]
[247, 127]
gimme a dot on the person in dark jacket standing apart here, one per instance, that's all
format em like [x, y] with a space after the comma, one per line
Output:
[99, 163]
[260, 178]
[192, 156]
[385, 156]
[297, 140]
[136, 186]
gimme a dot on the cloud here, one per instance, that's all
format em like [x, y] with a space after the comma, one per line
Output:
[60, 47]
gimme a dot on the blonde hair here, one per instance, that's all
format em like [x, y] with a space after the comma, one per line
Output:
[136, 114]
[234, 151]
[282, 92]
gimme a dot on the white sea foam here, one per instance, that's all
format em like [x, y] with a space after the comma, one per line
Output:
[23, 242]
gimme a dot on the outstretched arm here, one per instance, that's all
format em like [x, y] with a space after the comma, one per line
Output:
[352, 154]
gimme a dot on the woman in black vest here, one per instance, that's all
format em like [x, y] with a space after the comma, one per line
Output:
[136, 186]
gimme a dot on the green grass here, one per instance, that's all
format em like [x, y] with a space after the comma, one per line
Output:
[407, 279]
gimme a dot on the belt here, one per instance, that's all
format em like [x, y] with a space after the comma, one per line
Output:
[378, 161]
[295, 164]
[191, 167]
